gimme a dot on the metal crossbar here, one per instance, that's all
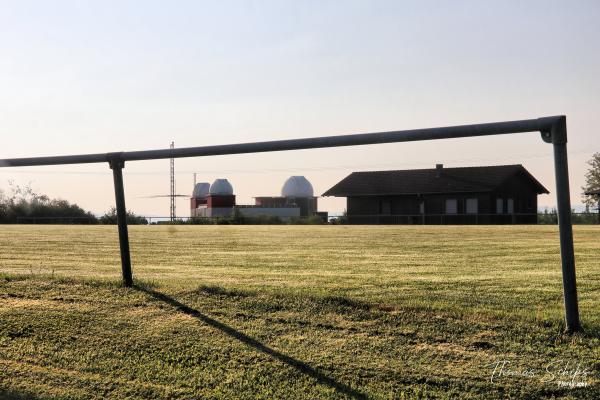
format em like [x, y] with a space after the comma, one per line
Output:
[553, 130]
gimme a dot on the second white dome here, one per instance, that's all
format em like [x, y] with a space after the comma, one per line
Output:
[221, 187]
[297, 186]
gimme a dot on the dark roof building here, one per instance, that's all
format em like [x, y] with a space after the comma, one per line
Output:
[488, 194]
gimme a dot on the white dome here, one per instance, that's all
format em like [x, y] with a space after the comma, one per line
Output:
[201, 190]
[297, 186]
[221, 187]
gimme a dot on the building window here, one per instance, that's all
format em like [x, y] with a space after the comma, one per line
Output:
[499, 206]
[451, 207]
[471, 206]
[510, 206]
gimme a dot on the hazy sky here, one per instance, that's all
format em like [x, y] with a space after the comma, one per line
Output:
[79, 77]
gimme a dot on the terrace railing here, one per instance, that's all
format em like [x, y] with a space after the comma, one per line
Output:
[552, 129]
[467, 219]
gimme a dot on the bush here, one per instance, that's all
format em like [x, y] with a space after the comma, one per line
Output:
[110, 218]
[312, 220]
[240, 219]
[551, 217]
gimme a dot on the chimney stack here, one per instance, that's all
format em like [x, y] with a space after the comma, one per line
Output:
[438, 170]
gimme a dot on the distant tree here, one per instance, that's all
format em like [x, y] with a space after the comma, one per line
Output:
[592, 181]
[110, 218]
[22, 203]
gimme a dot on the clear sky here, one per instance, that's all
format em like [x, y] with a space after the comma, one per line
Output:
[80, 77]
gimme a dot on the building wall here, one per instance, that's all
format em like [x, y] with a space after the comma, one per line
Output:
[411, 205]
[363, 205]
[216, 201]
[307, 205]
[196, 202]
[524, 200]
[224, 205]
[212, 212]
[270, 201]
[282, 212]
[407, 209]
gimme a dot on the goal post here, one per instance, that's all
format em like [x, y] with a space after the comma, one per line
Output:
[553, 130]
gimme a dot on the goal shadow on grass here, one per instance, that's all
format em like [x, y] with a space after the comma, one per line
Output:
[242, 337]
[9, 394]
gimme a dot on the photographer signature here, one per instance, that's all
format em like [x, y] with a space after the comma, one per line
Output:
[564, 373]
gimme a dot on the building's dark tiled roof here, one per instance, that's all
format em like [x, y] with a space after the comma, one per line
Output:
[422, 181]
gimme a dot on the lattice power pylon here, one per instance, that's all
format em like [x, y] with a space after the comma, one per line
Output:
[172, 196]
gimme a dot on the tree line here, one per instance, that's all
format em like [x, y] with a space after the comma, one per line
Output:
[23, 205]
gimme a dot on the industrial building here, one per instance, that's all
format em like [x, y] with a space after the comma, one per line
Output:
[502, 194]
[218, 200]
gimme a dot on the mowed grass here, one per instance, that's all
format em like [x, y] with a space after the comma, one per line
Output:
[295, 312]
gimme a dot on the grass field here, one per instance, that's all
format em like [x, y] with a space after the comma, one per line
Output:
[295, 312]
